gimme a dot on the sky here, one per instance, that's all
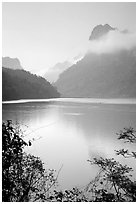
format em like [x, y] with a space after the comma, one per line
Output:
[43, 34]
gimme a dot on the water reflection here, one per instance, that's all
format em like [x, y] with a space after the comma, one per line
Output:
[69, 134]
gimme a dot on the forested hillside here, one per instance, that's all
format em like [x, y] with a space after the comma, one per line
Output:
[20, 84]
[110, 75]
[107, 70]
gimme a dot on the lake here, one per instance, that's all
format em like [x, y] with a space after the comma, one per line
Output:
[68, 132]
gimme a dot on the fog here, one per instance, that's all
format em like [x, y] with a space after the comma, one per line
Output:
[112, 42]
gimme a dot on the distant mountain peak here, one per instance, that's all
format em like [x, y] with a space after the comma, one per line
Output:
[53, 73]
[100, 30]
[12, 63]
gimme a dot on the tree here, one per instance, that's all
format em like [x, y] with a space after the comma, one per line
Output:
[115, 181]
[129, 136]
[70, 195]
[23, 175]
[112, 184]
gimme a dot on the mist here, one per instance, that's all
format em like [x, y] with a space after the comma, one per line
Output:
[114, 41]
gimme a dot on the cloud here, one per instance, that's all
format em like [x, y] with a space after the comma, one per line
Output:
[112, 42]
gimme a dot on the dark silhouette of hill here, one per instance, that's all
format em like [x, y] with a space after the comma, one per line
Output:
[12, 63]
[20, 84]
[108, 75]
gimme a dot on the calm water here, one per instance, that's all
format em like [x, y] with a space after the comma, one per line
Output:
[68, 132]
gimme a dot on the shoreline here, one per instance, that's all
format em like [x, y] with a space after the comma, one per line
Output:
[77, 100]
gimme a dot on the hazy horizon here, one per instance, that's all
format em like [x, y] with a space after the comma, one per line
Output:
[43, 34]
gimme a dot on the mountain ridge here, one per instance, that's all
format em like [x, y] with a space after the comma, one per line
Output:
[100, 76]
[109, 73]
[11, 63]
[21, 84]
[53, 73]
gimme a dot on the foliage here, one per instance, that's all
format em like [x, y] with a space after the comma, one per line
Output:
[73, 195]
[20, 84]
[112, 184]
[23, 175]
[128, 136]
[115, 180]
[25, 179]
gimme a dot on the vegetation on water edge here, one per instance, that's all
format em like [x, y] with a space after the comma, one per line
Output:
[24, 178]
